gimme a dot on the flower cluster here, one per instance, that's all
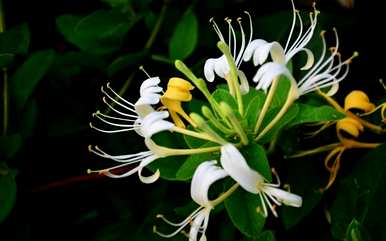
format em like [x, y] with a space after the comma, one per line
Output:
[231, 122]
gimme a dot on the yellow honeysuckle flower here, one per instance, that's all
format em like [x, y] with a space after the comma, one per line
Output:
[357, 99]
[178, 90]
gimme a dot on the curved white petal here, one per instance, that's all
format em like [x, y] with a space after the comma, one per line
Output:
[221, 66]
[251, 49]
[334, 88]
[209, 69]
[154, 122]
[205, 175]
[138, 122]
[236, 166]
[244, 85]
[310, 59]
[284, 197]
[148, 179]
[268, 72]
[150, 82]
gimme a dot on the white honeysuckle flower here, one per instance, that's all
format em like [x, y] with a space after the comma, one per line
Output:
[268, 72]
[128, 116]
[152, 123]
[259, 49]
[219, 66]
[205, 175]
[250, 180]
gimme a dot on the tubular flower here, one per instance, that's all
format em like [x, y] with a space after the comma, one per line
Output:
[358, 100]
[128, 116]
[250, 180]
[205, 175]
[178, 91]
[220, 66]
[151, 124]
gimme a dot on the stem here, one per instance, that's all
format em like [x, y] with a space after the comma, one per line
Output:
[5, 102]
[234, 82]
[292, 95]
[333, 103]
[267, 102]
[235, 123]
[225, 195]
[5, 79]
[314, 151]
[156, 28]
[203, 136]
[161, 58]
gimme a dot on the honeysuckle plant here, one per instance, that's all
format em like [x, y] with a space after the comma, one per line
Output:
[230, 131]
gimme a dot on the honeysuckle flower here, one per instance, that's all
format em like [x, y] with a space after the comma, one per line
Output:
[250, 180]
[205, 175]
[178, 91]
[259, 49]
[220, 66]
[357, 99]
[128, 116]
[152, 123]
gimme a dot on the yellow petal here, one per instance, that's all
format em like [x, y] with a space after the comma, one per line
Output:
[180, 84]
[171, 105]
[177, 94]
[349, 125]
[358, 100]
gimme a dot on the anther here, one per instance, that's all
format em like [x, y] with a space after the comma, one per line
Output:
[143, 70]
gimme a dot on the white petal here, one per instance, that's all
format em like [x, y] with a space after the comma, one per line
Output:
[277, 53]
[199, 225]
[285, 197]
[332, 91]
[221, 67]
[236, 166]
[268, 72]
[154, 81]
[205, 175]
[310, 59]
[154, 123]
[209, 70]
[251, 48]
[244, 85]
[138, 122]
[149, 179]
[143, 109]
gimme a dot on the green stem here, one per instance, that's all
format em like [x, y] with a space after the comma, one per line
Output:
[5, 102]
[234, 82]
[267, 102]
[203, 136]
[5, 79]
[235, 123]
[225, 195]
[314, 151]
[156, 28]
[161, 58]
[292, 95]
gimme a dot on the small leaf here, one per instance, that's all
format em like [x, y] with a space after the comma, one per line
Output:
[242, 208]
[15, 40]
[184, 38]
[28, 75]
[100, 32]
[9, 145]
[186, 171]
[266, 236]
[7, 191]
[222, 95]
[309, 113]
[356, 232]
[253, 109]
[255, 155]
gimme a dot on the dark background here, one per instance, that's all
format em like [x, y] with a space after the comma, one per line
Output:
[57, 200]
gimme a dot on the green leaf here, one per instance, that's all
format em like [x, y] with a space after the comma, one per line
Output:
[184, 38]
[222, 95]
[15, 40]
[285, 119]
[253, 109]
[27, 76]
[186, 171]
[266, 236]
[281, 93]
[255, 155]
[12, 42]
[124, 61]
[362, 196]
[356, 232]
[100, 32]
[309, 113]
[242, 209]
[9, 145]
[305, 180]
[7, 191]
